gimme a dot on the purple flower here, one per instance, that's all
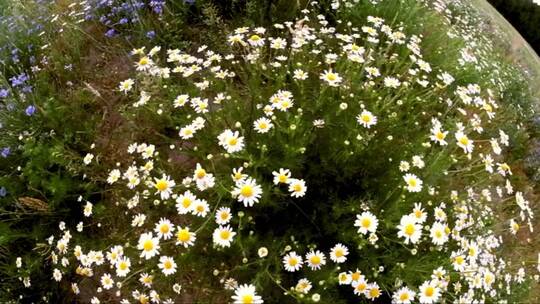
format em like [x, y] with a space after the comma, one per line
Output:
[30, 110]
[3, 191]
[5, 152]
[110, 33]
[151, 34]
[4, 93]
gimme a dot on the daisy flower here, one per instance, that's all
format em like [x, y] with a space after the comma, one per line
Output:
[200, 208]
[429, 292]
[246, 294]
[438, 233]
[292, 262]
[303, 286]
[185, 202]
[366, 119]
[256, 40]
[409, 229]
[300, 75]
[360, 286]
[315, 259]
[414, 184]
[223, 215]
[391, 82]
[231, 141]
[164, 186]
[187, 132]
[185, 237]
[223, 236]
[366, 222]
[263, 125]
[149, 245]
[114, 176]
[247, 192]
[297, 187]
[373, 291]
[126, 85]
[146, 279]
[333, 79]
[164, 229]
[344, 278]
[107, 281]
[339, 253]
[438, 136]
[419, 213]
[122, 266]
[180, 100]
[464, 142]
[167, 265]
[237, 175]
[403, 296]
[282, 176]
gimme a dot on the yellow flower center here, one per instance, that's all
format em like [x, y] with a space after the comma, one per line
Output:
[186, 202]
[201, 173]
[122, 266]
[404, 296]
[366, 223]
[247, 299]
[233, 141]
[255, 38]
[167, 264]
[464, 140]
[224, 234]
[283, 178]
[162, 185]
[315, 260]
[183, 235]
[374, 292]
[293, 261]
[297, 188]
[412, 182]
[339, 253]
[246, 191]
[440, 135]
[355, 276]
[409, 229]
[331, 76]
[429, 291]
[148, 245]
[366, 118]
[164, 229]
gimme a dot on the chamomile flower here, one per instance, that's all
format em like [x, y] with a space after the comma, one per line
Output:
[187, 132]
[256, 40]
[167, 265]
[180, 100]
[360, 286]
[223, 236]
[373, 291]
[297, 187]
[106, 281]
[303, 286]
[185, 202]
[149, 245]
[123, 266]
[333, 79]
[366, 222]
[223, 215]
[300, 75]
[338, 254]
[185, 237]
[164, 186]
[246, 294]
[403, 296]
[282, 176]
[164, 229]
[464, 142]
[366, 119]
[231, 141]
[429, 292]
[438, 233]
[292, 262]
[237, 175]
[344, 278]
[419, 213]
[263, 125]
[409, 229]
[438, 135]
[247, 192]
[200, 208]
[126, 85]
[315, 259]
[414, 184]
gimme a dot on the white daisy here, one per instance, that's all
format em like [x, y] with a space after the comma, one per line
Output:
[297, 187]
[429, 292]
[126, 85]
[200, 208]
[333, 79]
[223, 236]
[366, 119]
[106, 281]
[167, 265]
[149, 245]
[403, 296]
[339, 253]
[164, 229]
[464, 142]
[223, 215]
[409, 229]
[292, 262]
[315, 259]
[263, 125]
[282, 176]
[185, 237]
[366, 222]
[438, 233]
[414, 184]
[438, 136]
[231, 141]
[185, 202]
[303, 286]
[246, 294]
[122, 266]
[164, 186]
[247, 192]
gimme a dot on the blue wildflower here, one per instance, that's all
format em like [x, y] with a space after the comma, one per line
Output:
[30, 110]
[3, 191]
[5, 152]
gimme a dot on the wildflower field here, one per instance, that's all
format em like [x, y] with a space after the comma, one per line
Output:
[265, 151]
